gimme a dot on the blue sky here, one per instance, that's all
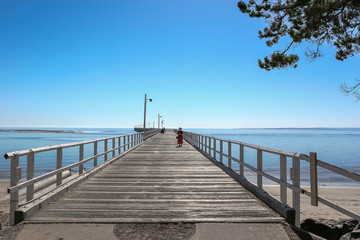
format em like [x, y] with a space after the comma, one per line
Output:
[89, 64]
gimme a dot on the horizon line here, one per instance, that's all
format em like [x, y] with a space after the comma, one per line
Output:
[233, 128]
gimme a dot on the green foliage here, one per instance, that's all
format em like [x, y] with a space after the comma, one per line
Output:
[278, 60]
[313, 22]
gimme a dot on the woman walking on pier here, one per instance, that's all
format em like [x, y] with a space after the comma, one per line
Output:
[180, 137]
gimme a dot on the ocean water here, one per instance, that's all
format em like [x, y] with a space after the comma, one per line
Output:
[337, 146]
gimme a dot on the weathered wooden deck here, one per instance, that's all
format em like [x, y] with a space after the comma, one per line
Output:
[158, 182]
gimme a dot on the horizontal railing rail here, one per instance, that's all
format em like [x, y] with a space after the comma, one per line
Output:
[214, 148]
[120, 145]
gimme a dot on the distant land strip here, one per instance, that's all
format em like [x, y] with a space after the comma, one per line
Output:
[41, 131]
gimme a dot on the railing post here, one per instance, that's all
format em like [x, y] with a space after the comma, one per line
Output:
[221, 151]
[14, 196]
[113, 146]
[29, 176]
[105, 149]
[95, 153]
[81, 157]
[241, 170]
[124, 141]
[132, 141]
[283, 178]
[119, 148]
[313, 179]
[59, 162]
[259, 167]
[128, 142]
[214, 144]
[207, 145]
[229, 155]
[202, 143]
[296, 182]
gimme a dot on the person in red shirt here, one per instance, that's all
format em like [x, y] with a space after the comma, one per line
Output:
[180, 137]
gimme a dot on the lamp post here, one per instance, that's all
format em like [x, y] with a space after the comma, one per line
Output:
[150, 100]
[159, 120]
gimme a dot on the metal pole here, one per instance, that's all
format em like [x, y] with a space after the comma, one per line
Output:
[159, 121]
[145, 113]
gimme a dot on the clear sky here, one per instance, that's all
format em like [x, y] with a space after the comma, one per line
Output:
[89, 64]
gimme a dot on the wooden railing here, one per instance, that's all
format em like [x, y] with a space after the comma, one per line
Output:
[120, 145]
[214, 148]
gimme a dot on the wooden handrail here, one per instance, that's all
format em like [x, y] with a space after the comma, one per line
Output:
[128, 142]
[325, 165]
[55, 147]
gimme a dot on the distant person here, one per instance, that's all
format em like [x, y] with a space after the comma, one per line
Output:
[163, 130]
[180, 137]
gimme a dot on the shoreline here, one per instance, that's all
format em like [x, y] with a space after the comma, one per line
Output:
[42, 131]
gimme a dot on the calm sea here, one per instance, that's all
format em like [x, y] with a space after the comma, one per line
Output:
[338, 146]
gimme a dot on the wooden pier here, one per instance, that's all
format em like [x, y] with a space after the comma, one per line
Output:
[158, 182]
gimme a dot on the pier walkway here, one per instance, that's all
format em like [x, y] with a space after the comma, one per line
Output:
[158, 182]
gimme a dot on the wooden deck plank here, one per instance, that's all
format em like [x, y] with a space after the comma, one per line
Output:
[158, 182]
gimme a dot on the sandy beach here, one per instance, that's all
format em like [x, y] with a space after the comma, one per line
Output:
[348, 197]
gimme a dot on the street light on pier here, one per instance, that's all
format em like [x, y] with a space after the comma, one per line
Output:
[150, 100]
[159, 120]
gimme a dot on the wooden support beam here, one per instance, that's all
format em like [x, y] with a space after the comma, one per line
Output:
[295, 172]
[105, 149]
[259, 167]
[214, 150]
[81, 157]
[313, 179]
[113, 146]
[283, 177]
[95, 153]
[229, 155]
[59, 163]
[241, 160]
[14, 180]
[30, 175]
[221, 151]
